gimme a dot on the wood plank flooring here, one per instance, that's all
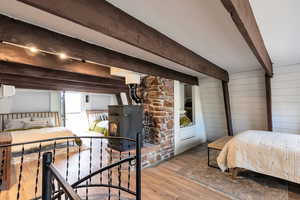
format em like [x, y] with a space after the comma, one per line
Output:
[158, 183]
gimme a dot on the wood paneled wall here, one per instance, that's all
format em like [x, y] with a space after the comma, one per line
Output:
[213, 108]
[286, 99]
[247, 100]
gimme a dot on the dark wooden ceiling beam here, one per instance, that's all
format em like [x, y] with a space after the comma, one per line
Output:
[37, 72]
[16, 54]
[18, 80]
[22, 33]
[104, 17]
[242, 15]
[26, 85]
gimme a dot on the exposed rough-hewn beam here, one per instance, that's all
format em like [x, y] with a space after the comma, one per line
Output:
[15, 54]
[242, 15]
[50, 84]
[22, 33]
[28, 85]
[103, 17]
[37, 72]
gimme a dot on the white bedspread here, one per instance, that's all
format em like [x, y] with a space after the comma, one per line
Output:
[38, 134]
[271, 153]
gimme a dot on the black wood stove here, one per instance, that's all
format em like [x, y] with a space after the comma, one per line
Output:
[124, 121]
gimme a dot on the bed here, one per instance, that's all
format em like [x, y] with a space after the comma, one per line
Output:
[271, 153]
[38, 131]
[98, 121]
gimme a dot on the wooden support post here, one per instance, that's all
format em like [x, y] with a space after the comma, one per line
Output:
[269, 102]
[119, 99]
[5, 158]
[227, 107]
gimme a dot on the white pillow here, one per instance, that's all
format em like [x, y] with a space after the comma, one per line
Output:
[50, 120]
[14, 125]
[103, 124]
[35, 124]
[11, 124]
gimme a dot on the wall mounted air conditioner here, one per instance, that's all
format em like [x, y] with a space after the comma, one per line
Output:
[7, 90]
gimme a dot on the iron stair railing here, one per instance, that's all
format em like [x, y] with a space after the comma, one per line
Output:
[62, 187]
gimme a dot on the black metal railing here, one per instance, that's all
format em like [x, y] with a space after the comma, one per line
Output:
[49, 174]
[89, 165]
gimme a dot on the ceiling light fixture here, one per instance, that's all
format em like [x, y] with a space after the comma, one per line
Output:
[63, 56]
[33, 49]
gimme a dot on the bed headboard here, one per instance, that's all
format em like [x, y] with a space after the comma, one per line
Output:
[6, 116]
[93, 115]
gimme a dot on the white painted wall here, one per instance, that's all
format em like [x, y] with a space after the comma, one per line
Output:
[113, 100]
[124, 98]
[247, 100]
[55, 101]
[213, 108]
[98, 101]
[286, 99]
[188, 137]
[31, 101]
[5, 104]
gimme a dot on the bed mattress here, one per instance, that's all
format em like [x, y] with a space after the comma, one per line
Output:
[38, 134]
[271, 153]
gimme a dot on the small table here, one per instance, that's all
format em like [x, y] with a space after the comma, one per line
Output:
[217, 145]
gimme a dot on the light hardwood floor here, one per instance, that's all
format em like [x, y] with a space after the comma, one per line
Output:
[160, 182]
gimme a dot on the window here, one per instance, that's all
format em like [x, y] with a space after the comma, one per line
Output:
[73, 103]
[75, 119]
[186, 105]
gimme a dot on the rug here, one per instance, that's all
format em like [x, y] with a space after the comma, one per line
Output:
[247, 186]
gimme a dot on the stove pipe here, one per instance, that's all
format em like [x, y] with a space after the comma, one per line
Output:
[132, 93]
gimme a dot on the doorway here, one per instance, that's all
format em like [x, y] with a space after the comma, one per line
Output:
[189, 125]
[74, 112]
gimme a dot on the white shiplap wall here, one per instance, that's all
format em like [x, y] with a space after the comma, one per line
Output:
[213, 108]
[248, 103]
[286, 99]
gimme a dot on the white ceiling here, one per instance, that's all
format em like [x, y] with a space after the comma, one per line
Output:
[279, 23]
[203, 26]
